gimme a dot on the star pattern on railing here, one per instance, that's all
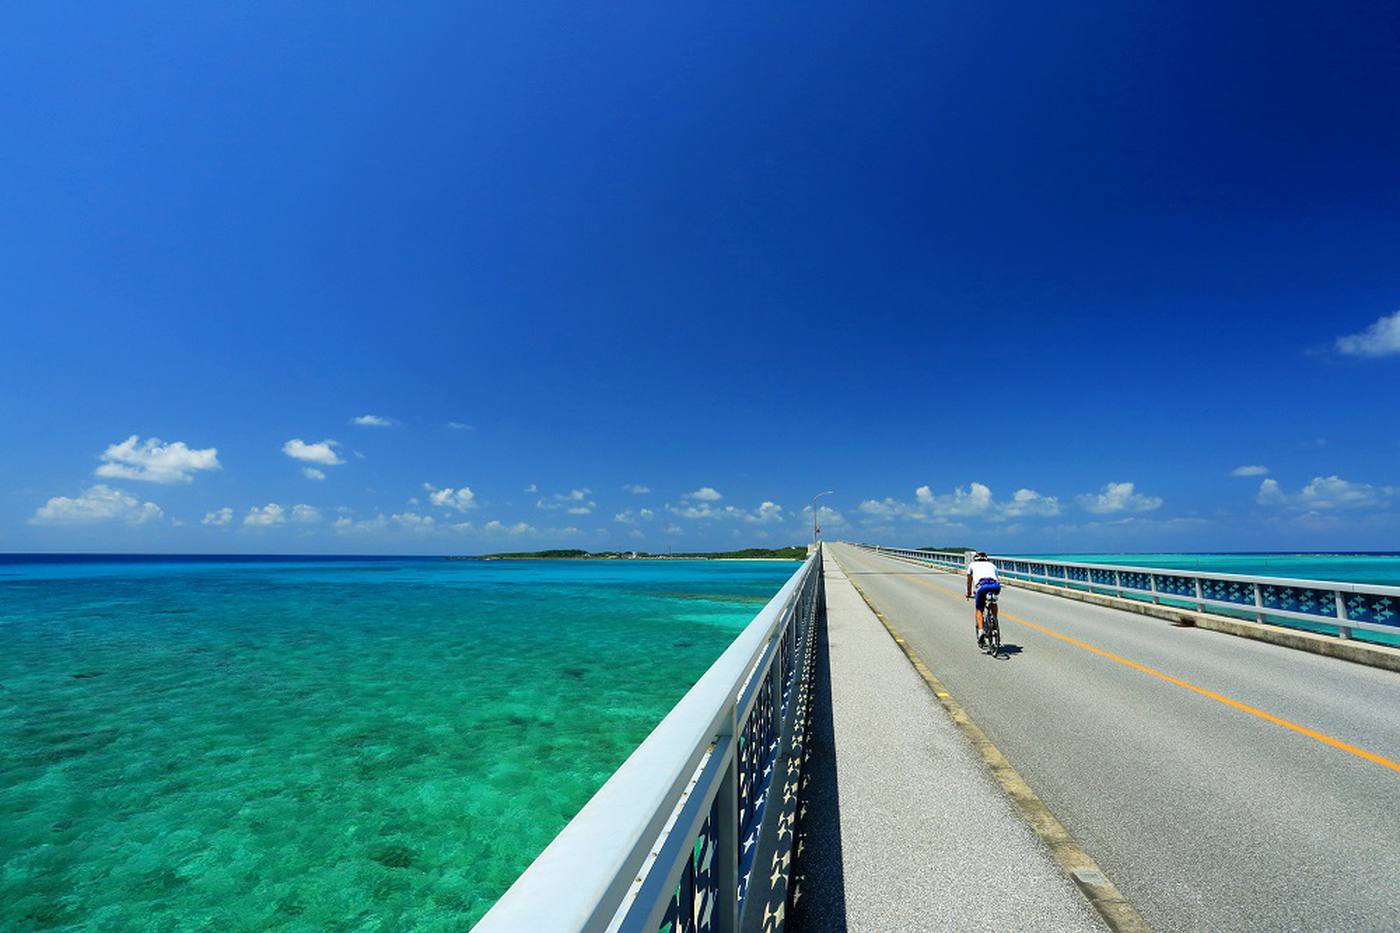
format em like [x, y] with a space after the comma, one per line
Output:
[1300, 599]
[1175, 586]
[1135, 581]
[1228, 591]
[1370, 607]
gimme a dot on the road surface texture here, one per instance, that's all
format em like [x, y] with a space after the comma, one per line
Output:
[1198, 795]
[926, 839]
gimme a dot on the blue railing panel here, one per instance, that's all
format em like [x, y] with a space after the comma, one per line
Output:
[1376, 609]
[1132, 580]
[1306, 599]
[1175, 586]
[1227, 591]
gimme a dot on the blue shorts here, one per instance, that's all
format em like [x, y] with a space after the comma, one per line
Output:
[983, 588]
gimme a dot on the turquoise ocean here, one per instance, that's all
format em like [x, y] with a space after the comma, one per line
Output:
[368, 744]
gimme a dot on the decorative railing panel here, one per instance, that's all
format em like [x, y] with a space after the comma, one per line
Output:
[1375, 609]
[1303, 599]
[1227, 591]
[1175, 586]
[1135, 580]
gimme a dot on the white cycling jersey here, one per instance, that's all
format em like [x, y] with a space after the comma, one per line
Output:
[982, 570]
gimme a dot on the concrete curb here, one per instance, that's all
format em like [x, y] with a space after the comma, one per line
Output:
[1343, 649]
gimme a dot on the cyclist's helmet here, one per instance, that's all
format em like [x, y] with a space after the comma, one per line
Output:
[980, 555]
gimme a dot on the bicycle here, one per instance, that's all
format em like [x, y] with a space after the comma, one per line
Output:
[991, 627]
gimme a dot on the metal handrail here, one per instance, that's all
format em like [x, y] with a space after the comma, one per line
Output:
[628, 860]
[1347, 606]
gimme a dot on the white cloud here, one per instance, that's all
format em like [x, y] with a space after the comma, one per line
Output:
[412, 521]
[975, 500]
[270, 514]
[305, 514]
[321, 452]
[637, 489]
[218, 517]
[827, 517]
[1029, 502]
[401, 521]
[373, 421]
[704, 494]
[99, 503]
[346, 525]
[1252, 470]
[519, 528]
[695, 511]
[461, 498]
[532, 488]
[312, 473]
[459, 426]
[888, 508]
[1380, 339]
[151, 461]
[1328, 493]
[575, 502]
[765, 513]
[1118, 497]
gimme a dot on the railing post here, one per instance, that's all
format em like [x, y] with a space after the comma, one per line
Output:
[1118, 582]
[726, 917]
[1152, 579]
[1343, 629]
[1200, 604]
[1258, 603]
[775, 684]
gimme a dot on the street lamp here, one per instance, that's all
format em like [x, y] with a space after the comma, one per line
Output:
[814, 512]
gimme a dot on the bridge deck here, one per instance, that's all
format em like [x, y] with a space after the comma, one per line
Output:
[924, 839]
[1173, 755]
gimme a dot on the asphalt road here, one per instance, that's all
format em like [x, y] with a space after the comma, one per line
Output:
[1206, 816]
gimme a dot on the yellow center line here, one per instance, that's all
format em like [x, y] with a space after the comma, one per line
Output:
[1218, 697]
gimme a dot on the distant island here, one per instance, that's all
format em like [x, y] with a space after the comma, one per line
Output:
[797, 552]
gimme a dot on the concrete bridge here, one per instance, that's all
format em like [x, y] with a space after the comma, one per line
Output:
[1150, 751]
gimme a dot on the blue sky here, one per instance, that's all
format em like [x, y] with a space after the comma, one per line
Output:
[1031, 279]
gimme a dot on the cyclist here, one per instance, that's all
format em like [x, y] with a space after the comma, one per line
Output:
[981, 575]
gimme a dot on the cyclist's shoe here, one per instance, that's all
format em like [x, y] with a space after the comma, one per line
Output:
[981, 640]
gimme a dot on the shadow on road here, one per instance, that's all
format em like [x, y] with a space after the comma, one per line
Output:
[1008, 651]
[819, 872]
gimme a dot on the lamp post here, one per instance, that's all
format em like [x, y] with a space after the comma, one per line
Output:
[814, 512]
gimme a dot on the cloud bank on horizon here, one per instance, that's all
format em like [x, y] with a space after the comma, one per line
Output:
[438, 515]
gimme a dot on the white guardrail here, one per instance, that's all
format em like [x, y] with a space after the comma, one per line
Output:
[669, 840]
[1323, 603]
